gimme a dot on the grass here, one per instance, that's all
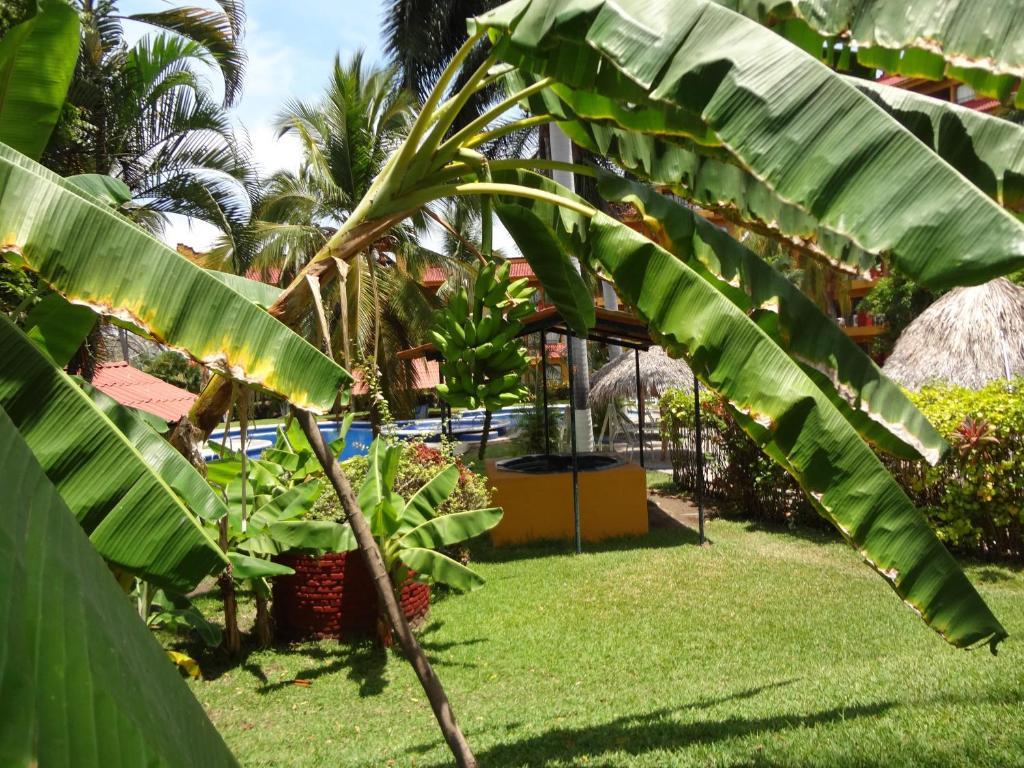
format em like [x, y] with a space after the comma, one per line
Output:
[767, 648]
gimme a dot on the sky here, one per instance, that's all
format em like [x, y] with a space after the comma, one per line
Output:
[291, 46]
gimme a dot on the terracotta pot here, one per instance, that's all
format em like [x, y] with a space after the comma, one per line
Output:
[332, 596]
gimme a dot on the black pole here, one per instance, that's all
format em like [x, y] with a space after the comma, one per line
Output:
[575, 458]
[544, 388]
[446, 423]
[639, 406]
[700, 458]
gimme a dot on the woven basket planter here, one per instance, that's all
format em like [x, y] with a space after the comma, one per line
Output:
[332, 596]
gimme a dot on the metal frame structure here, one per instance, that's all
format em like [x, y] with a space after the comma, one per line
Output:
[619, 329]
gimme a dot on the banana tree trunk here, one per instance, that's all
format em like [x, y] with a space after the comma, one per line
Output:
[264, 631]
[561, 150]
[483, 437]
[232, 637]
[386, 595]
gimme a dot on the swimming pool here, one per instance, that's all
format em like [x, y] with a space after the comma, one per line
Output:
[468, 426]
[357, 442]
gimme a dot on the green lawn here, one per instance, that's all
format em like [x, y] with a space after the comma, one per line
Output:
[767, 648]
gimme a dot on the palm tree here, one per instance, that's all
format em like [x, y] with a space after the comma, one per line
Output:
[346, 138]
[143, 114]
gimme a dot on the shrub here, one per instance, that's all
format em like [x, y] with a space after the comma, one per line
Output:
[419, 463]
[736, 471]
[975, 496]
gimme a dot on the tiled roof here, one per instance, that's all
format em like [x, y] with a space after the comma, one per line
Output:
[981, 104]
[426, 371]
[136, 389]
[434, 276]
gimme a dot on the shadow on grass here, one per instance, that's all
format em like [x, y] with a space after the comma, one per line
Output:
[661, 538]
[638, 734]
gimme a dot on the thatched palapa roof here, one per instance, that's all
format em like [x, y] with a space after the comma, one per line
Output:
[969, 337]
[658, 372]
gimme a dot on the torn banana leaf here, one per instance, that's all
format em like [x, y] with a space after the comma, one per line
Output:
[876, 406]
[134, 519]
[978, 42]
[720, 85]
[96, 258]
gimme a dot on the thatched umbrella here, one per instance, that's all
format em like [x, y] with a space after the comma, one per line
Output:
[969, 337]
[658, 373]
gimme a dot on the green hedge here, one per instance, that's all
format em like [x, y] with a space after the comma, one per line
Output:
[974, 497]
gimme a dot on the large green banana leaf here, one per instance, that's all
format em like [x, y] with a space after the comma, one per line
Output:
[980, 42]
[173, 468]
[785, 410]
[790, 417]
[82, 681]
[96, 258]
[37, 61]
[988, 150]
[131, 515]
[701, 76]
[59, 327]
[875, 406]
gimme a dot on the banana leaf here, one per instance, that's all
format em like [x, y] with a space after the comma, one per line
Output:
[377, 498]
[37, 62]
[789, 417]
[113, 192]
[422, 505]
[246, 567]
[987, 150]
[260, 294]
[457, 527]
[977, 42]
[783, 409]
[173, 468]
[84, 682]
[440, 568]
[134, 519]
[98, 259]
[319, 535]
[695, 74]
[564, 284]
[876, 406]
[59, 327]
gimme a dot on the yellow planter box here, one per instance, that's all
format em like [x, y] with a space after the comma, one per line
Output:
[613, 502]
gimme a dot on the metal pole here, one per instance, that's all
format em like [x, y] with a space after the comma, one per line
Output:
[700, 459]
[639, 405]
[575, 458]
[544, 388]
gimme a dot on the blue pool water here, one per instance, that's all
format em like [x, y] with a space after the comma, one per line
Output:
[468, 425]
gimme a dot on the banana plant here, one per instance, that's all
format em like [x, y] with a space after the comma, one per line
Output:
[409, 533]
[267, 501]
[719, 108]
[660, 88]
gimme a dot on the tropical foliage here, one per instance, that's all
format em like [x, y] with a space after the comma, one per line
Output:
[83, 682]
[975, 497]
[689, 95]
[146, 114]
[410, 533]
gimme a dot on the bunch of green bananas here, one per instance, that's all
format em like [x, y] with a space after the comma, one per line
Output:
[483, 362]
